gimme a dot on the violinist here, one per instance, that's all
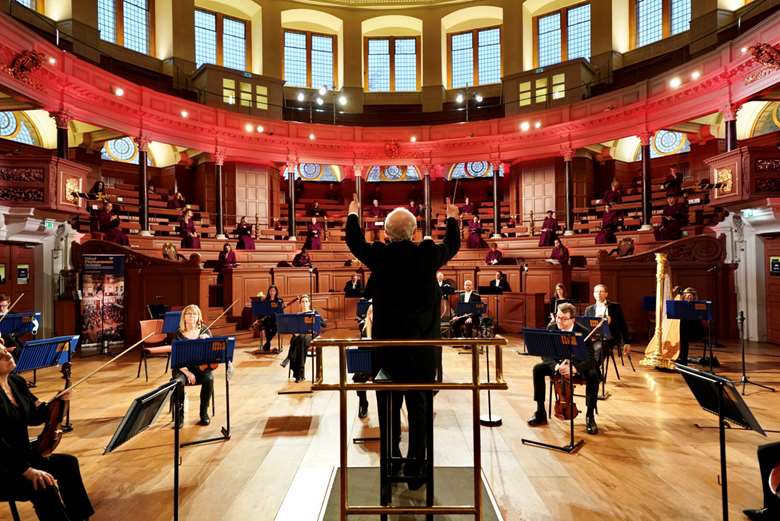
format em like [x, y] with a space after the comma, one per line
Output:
[10, 339]
[299, 344]
[191, 328]
[463, 325]
[589, 369]
[268, 322]
[54, 483]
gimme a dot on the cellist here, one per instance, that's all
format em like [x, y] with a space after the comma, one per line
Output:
[54, 483]
[589, 369]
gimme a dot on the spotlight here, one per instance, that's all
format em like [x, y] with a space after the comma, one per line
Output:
[184, 114]
[260, 129]
[249, 127]
[342, 100]
[119, 91]
[323, 90]
[320, 101]
[538, 124]
[52, 60]
[413, 139]
[312, 137]
[524, 126]
[743, 50]
[695, 75]
[478, 98]
[301, 97]
[459, 98]
[675, 82]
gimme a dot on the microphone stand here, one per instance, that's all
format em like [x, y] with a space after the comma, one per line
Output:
[745, 380]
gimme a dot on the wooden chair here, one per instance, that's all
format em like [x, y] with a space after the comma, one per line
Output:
[151, 350]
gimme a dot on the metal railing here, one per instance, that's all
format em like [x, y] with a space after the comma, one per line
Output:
[475, 386]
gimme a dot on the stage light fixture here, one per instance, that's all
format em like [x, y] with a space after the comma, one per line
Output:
[743, 50]
[320, 101]
[312, 137]
[52, 60]
[300, 97]
[538, 124]
[413, 139]
[342, 100]
[524, 126]
[249, 127]
[675, 82]
[260, 129]
[119, 91]
[695, 75]
[323, 90]
[184, 114]
[459, 98]
[478, 98]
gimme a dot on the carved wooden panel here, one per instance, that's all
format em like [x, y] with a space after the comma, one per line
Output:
[252, 194]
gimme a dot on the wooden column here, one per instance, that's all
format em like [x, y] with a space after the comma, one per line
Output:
[291, 200]
[143, 186]
[647, 187]
[729, 112]
[496, 167]
[358, 170]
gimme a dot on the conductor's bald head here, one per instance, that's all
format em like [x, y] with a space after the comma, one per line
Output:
[400, 225]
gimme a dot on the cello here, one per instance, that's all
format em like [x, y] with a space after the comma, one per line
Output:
[51, 435]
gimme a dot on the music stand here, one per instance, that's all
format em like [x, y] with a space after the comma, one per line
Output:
[171, 322]
[206, 351]
[695, 310]
[362, 307]
[591, 322]
[263, 308]
[556, 345]
[143, 411]
[300, 324]
[19, 323]
[719, 396]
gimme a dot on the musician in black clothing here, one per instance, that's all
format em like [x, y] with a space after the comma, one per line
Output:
[618, 328]
[354, 287]
[269, 321]
[10, 339]
[53, 484]
[589, 369]
[463, 325]
[191, 328]
[299, 344]
[768, 459]
[500, 282]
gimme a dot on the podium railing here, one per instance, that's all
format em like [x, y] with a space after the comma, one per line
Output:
[475, 386]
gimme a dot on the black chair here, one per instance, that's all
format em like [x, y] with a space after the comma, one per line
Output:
[11, 505]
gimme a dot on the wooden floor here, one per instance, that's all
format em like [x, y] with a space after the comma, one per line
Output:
[649, 461]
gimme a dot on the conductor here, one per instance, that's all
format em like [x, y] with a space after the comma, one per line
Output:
[406, 306]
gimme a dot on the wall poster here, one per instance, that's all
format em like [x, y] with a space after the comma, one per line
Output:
[102, 302]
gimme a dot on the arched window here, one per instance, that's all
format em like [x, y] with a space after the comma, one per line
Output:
[767, 121]
[473, 170]
[666, 143]
[315, 172]
[16, 127]
[217, 31]
[550, 28]
[392, 173]
[123, 150]
[475, 57]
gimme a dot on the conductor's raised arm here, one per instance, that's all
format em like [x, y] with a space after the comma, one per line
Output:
[356, 242]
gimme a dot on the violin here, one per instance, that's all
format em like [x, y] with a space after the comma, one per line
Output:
[774, 480]
[565, 407]
[203, 367]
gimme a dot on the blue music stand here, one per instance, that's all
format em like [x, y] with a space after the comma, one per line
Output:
[19, 323]
[362, 307]
[469, 308]
[171, 322]
[299, 324]
[694, 310]
[206, 351]
[558, 345]
[263, 308]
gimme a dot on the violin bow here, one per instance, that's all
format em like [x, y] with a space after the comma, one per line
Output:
[92, 373]
[208, 328]
[11, 307]
[603, 319]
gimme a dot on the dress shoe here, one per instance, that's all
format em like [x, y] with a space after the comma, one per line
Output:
[284, 362]
[760, 514]
[267, 347]
[590, 425]
[363, 409]
[204, 419]
[539, 418]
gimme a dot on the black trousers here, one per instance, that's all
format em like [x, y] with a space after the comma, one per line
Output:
[547, 368]
[416, 402]
[459, 327]
[768, 457]
[269, 328]
[68, 501]
[206, 381]
[299, 345]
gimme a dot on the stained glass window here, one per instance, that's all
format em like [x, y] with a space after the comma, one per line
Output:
[392, 173]
[124, 150]
[649, 21]
[27, 3]
[473, 170]
[549, 39]
[315, 172]
[16, 127]
[136, 24]
[205, 37]
[578, 32]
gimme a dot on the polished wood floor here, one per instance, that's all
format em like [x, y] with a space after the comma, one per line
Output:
[648, 462]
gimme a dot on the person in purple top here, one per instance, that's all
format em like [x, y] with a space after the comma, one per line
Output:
[176, 201]
[475, 239]
[244, 232]
[612, 195]
[467, 207]
[190, 238]
[609, 225]
[314, 235]
[549, 229]
[227, 259]
[674, 217]
[494, 256]
[560, 252]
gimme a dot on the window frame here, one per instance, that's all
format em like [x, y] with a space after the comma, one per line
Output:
[309, 34]
[39, 6]
[219, 29]
[564, 14]
[391, 43]
[119, 27]
[475, 57]
[666, 22]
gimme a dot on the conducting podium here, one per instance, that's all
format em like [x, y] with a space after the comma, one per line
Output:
[557, 345]
[207, 352]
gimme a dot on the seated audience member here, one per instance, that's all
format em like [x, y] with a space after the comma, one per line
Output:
[494, 256]
[549, 229]
[475, 239]
[613, 195]
[560, 252]
[169, 252]
[244, 233]
[97, 192]
[298, 188]
[268, 322]
[176, 201]
[299, 344]
[467, 208]
[191, 328]
[559, 296]
[414, 208]
[500, 282]
[511, 225]
[609, 226]
[333, 193]
[302, 259]
[314, 235]
[463, 325]
[588, 368]
[354, 287]
[279, 228]
[53, 484]
[115, 234]
[376, 219]
[190, 238]
[104, 216]
[227, 259]
[444, 285]
[674, 217]
[768, 460]
[315, 211]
